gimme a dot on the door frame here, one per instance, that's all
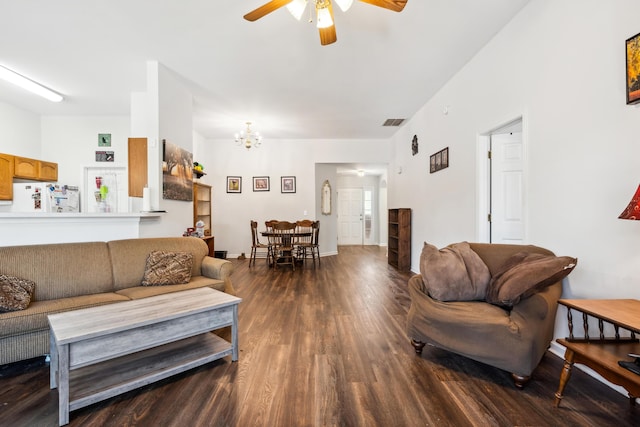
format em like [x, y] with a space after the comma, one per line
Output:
[483, 178]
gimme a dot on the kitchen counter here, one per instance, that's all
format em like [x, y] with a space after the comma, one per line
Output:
[32, 228]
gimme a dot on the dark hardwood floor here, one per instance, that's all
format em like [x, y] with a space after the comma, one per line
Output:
[327, 347]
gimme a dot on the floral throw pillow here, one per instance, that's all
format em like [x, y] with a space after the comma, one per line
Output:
[15, 293]
[167, 268]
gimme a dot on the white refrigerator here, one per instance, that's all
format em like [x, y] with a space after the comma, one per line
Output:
[44, 197]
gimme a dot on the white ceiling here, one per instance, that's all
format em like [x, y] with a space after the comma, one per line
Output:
[272, 72]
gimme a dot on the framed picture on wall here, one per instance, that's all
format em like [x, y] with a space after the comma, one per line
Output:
[633, 69]
[234, 184]
[261, 183]
[287, 184]
[439, 160]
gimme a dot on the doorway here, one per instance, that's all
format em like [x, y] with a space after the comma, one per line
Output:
[503, 185]
[350, 216]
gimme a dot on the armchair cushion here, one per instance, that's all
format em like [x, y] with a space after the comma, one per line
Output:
[524, 274]
[454, 273]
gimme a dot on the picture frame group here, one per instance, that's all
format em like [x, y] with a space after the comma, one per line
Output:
[439, 160]
[261, 183]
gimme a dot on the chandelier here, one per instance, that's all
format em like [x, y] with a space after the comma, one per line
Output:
[249, 138]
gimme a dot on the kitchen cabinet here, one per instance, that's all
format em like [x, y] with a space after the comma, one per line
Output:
[138, 166]
[6, 177]
[38, 170]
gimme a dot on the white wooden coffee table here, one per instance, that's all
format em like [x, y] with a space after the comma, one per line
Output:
[100, 352]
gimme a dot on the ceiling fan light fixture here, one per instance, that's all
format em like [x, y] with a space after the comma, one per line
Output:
[344, 4]
[296, 8]
[323, 14]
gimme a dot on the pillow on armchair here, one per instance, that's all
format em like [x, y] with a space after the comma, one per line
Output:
[524, 274]
[454, 273]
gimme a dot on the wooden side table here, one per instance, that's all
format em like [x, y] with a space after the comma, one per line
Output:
[210, 241]
[602, 353]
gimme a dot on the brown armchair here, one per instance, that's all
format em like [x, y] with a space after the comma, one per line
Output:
[510, 339]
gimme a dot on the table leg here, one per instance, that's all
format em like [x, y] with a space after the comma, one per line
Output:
[63, 385]
[569, 357]
[234, 334]
[53, 362]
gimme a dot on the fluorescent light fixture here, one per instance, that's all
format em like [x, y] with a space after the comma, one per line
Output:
[324, 18]
[30, 85]
[296, 8]
[344, 4]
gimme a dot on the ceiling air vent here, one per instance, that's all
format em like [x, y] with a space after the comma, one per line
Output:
[393, 122]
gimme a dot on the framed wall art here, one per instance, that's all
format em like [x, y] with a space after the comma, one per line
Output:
[439, 160]
[261, 183]
[104, 140]
[287, 184]
[177, 173]
[633, 69]
[234, 184]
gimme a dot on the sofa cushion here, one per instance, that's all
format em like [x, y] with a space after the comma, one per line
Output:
[524, 274]
[454, 273]
[129, 256]
[34, 317]
[15, 293]
[138, 292]
[60, 270]
[167, 268]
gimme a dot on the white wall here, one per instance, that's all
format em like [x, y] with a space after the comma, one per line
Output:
[19, 132]
[561, 66]
[72, 142]
[232, 212]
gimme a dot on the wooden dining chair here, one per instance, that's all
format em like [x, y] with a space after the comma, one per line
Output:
[257, 245]
[304, 243]
[283, 244]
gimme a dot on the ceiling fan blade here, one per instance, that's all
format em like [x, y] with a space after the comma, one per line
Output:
[328, 35]
[395, 5]
[265, 9]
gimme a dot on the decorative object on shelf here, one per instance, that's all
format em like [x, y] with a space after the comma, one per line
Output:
[177, 173]
[414, 145]
[249, 138]
[439, 160]
[104, 140]
[234, 184]
[323, 10]
[261, 183]
[326, 198]
[198, 170]
[287, 184]
[633, 69]
[632, 211]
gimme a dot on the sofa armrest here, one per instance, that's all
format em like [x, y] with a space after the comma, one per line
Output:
[216, 268]
[539, 305]
[221, 269]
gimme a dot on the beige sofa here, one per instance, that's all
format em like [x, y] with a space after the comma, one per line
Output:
[510, 339]
[70, 276]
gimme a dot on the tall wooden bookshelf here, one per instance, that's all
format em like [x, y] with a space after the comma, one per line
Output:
[399, 250]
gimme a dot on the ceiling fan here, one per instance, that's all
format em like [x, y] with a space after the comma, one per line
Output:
[324, 12]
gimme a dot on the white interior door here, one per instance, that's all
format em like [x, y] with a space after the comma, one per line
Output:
[349, 216]
[507, 188]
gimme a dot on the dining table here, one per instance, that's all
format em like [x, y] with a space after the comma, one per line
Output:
[286, 239]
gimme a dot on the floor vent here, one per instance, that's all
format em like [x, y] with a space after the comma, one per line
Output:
[393, 122]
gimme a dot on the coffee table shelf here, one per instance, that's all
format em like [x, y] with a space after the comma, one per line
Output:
[104, 380]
